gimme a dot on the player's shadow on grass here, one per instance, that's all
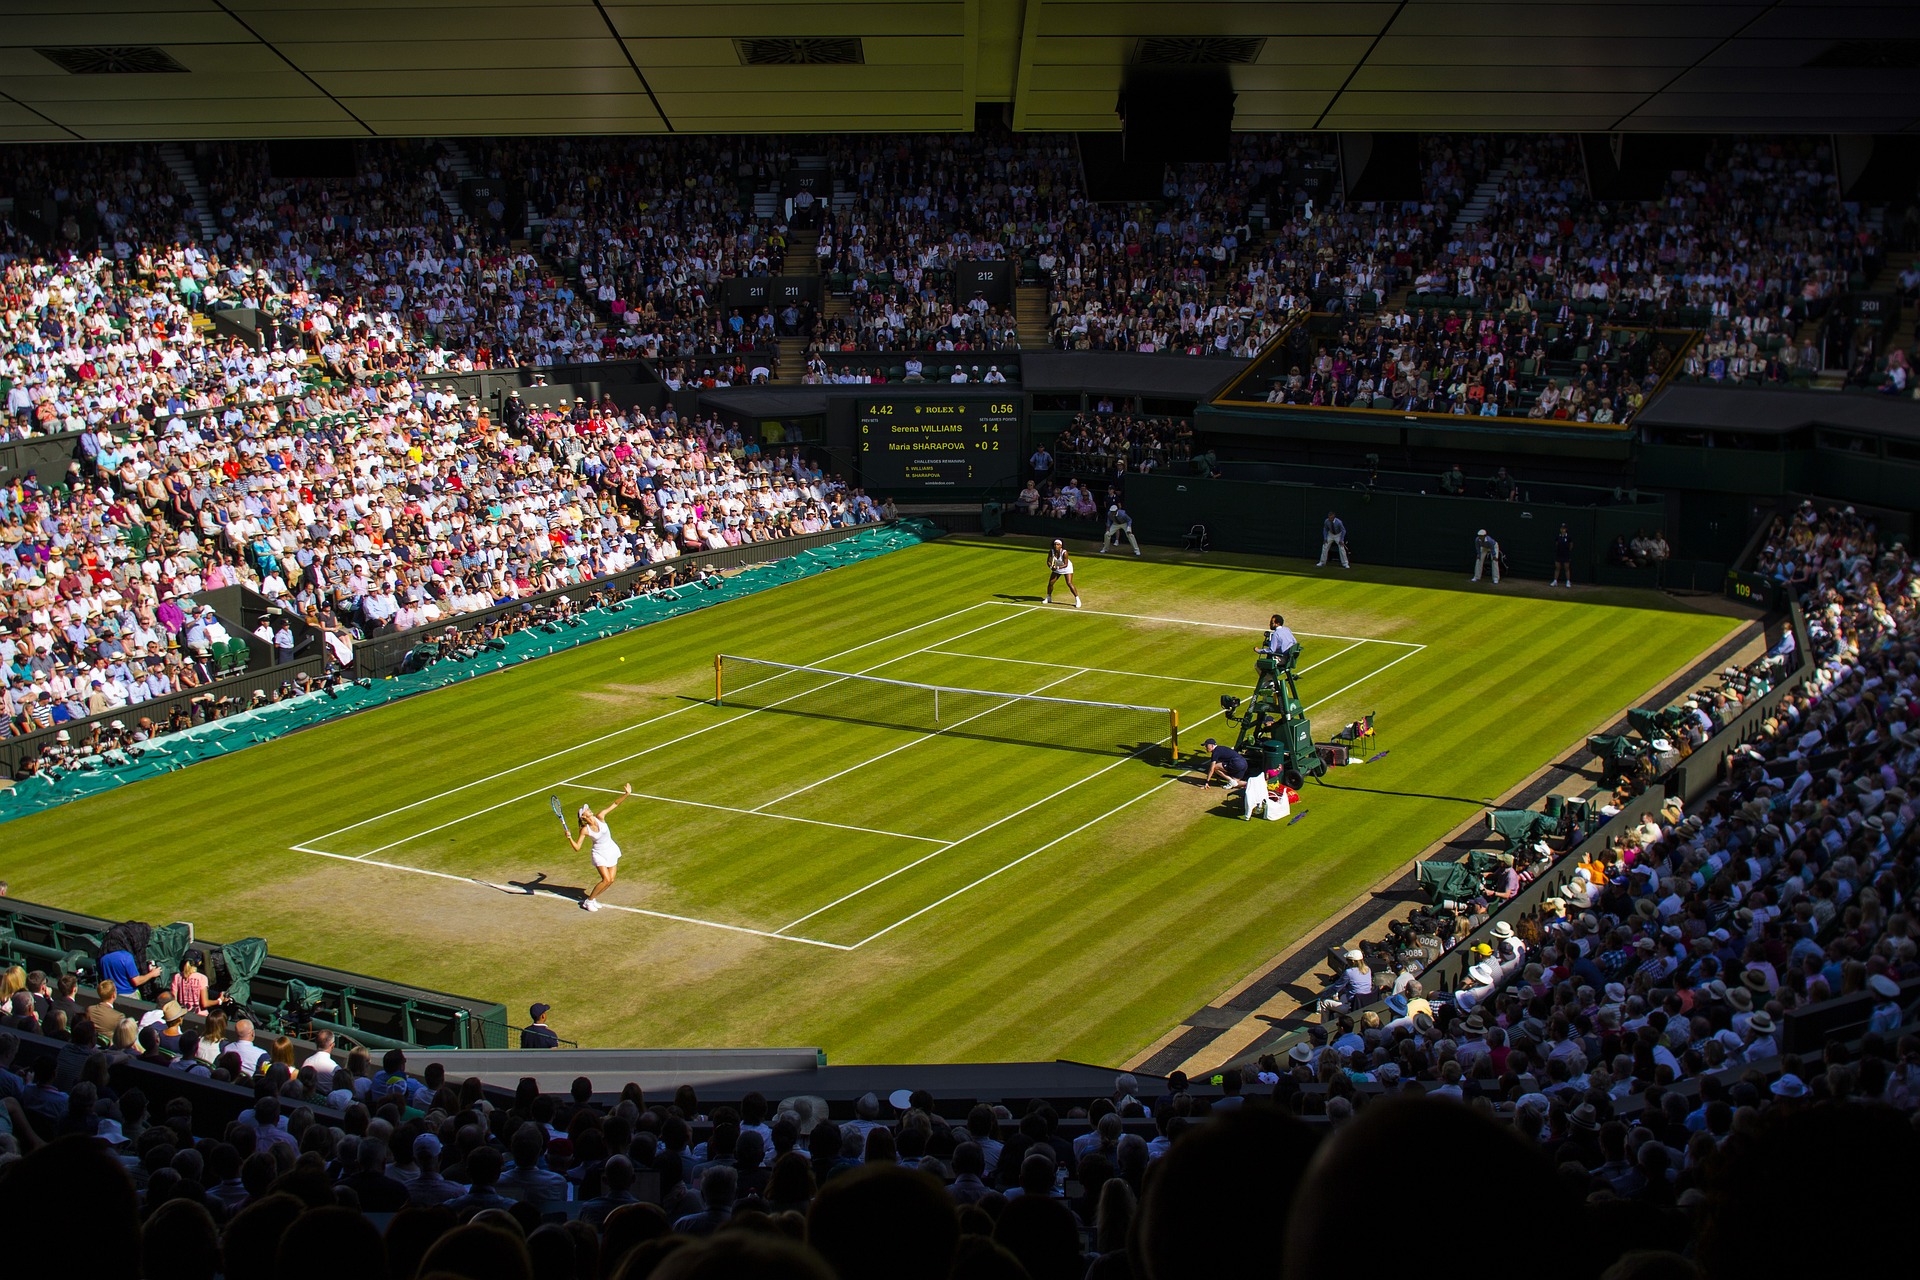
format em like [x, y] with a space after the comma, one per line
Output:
[538, 884]
[1001, 595]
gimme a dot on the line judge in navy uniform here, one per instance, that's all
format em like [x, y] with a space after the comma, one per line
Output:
[539, 1035]
[1225, 763]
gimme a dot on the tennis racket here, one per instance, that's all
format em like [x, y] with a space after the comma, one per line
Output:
[561, 814]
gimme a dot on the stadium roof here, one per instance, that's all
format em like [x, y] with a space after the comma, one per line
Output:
[142, 69]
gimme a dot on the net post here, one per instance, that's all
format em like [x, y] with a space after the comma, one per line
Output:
[1173, 721]
[716, 679]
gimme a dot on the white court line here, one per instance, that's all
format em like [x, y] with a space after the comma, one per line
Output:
[1139, 675]
[659, 746]
[783, 817]
[548, 893]
[617, 732]
[1043, 848]
[1191, 622]
[1105, 671]
[1103, 769]
[925, 737]
[1022, 858]
[1363, 679]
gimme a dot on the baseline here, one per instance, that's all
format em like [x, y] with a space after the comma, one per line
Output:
[1193, 622]
[561, 897]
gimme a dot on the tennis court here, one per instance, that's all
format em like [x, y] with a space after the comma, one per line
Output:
[859, 877]
[821, 810]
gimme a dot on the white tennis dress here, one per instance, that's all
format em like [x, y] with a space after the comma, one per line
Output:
[605, 852]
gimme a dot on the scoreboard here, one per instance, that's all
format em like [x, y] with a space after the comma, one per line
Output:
[939, 444]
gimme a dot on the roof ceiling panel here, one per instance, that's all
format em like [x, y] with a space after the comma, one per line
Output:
[143, 27]
[1207, 18]
[428, 25]
[531, 106]
[1556, 21]
[1472, 98]
[719, 51]
[811, 81]
[490, 84]
[1838, 22]
[467, 55]
[1463, 122]
[195, 130]
[1536, 78]
[277, 82]
[1473, 54]
[429, 126]
[896, 18]
[554, 66]
[266, 112]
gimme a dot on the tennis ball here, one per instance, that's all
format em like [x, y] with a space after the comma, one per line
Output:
[623, 657]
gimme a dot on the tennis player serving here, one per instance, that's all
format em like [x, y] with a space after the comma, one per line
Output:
[606, 854]
[1060, 565]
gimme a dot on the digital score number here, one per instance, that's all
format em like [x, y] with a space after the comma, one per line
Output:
[938, 444]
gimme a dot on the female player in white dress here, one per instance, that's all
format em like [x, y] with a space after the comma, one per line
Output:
[1060, 565]
[606, 854]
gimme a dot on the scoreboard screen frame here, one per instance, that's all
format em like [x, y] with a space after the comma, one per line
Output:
[956, 443]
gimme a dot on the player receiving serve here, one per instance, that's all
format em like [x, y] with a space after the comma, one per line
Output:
[1060, 565]
[606, 854]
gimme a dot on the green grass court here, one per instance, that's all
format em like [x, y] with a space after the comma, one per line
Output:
[812, 862]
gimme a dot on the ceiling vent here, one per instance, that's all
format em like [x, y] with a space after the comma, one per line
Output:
[1196, 51]
[1870, 55]
[112, 60]
[800, 51]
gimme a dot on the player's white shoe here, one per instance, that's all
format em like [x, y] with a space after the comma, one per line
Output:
[1076, 602]
[589, 904]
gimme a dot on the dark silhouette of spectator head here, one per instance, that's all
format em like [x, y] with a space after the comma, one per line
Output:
[627, 1228]
[551, 1252]
[479, 1252]
[1042, 1234]
[743, 1255]
[884, 1223]
[340, 1235]
[250, 1248]
[1212, 1202]
[411, 1233]
[1784, 1172]
[180, 1242]
[1346, 1173]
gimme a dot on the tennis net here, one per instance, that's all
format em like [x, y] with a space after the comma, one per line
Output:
[1075, 724]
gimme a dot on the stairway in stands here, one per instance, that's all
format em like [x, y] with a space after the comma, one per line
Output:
[1887, 280]
[460, 167]
[800, 260]
[1031, 318]
[1479, 202]
[175, 157]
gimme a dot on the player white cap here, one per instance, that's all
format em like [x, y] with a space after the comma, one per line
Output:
[1481, 534]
